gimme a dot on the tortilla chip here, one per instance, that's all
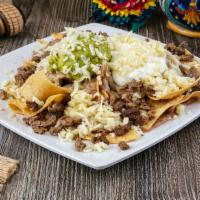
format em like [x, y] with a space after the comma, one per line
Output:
[20, 107]
[175, 94]
[39, 86]
[162, 106]
[128, 137]
[169, 114]
[195, 94]
[159, 107]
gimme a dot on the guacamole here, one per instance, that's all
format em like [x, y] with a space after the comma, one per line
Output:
[81, 55]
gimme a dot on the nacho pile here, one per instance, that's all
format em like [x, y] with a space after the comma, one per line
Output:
[83, 86]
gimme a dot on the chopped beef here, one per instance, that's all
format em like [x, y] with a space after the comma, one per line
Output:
[59, 79]
[132, 104]
[124, 96]
[193, 73]
[45, 54]
[170, 47]
[54, 130]
[123, 145]
[3, 94]
[102, 131]
[63, 81]
[36, 58]
[105, 140]
[67, 121]
[127, 97]
[49, 120]
[136, 109]
[30, 120]
[182, 69]
[91, 87]
[106, 77]
[147, 39]
[118, 105]
[122, 130]
[113, 97]
[23, 73]
[130, 87]
[136, 115]
[113, 86]
[131, 113]
[144, 105]
[101, 138]
[42, 122]
[79, 144]
[142, 118]
[107, 83]
[183, 45]
[197, 87]
[39, 129]
[19, 80]
[187, 58]
[56, 107]
[52, 42]
[151, 113]
[148, 90]
[178, 50]
[32, 106]
[103, 33]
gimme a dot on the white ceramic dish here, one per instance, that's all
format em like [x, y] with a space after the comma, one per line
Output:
[12, 61]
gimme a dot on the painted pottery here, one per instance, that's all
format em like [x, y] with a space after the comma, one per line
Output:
[183, 16]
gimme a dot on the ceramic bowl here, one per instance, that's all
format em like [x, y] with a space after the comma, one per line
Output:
[183, 16]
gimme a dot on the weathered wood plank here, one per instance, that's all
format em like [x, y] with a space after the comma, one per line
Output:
[169, 170]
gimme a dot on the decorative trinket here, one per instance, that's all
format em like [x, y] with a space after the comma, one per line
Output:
[11, 20]
[123, 12]
[183, 15]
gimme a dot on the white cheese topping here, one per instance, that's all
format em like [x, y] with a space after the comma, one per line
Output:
[134, 58]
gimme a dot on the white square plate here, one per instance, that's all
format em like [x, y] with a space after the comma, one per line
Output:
[14, 59]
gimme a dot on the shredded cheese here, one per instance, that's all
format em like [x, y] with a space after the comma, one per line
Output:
[99, 147]
[180, 109]
[94, 114]
[37, 101]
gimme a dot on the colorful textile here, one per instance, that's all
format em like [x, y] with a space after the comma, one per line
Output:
[123, 12]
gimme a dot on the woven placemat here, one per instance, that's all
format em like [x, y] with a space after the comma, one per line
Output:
[8, 166]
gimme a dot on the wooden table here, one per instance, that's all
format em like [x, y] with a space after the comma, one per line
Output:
[169, 170]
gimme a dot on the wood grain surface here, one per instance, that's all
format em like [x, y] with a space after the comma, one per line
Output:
[169, 170]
